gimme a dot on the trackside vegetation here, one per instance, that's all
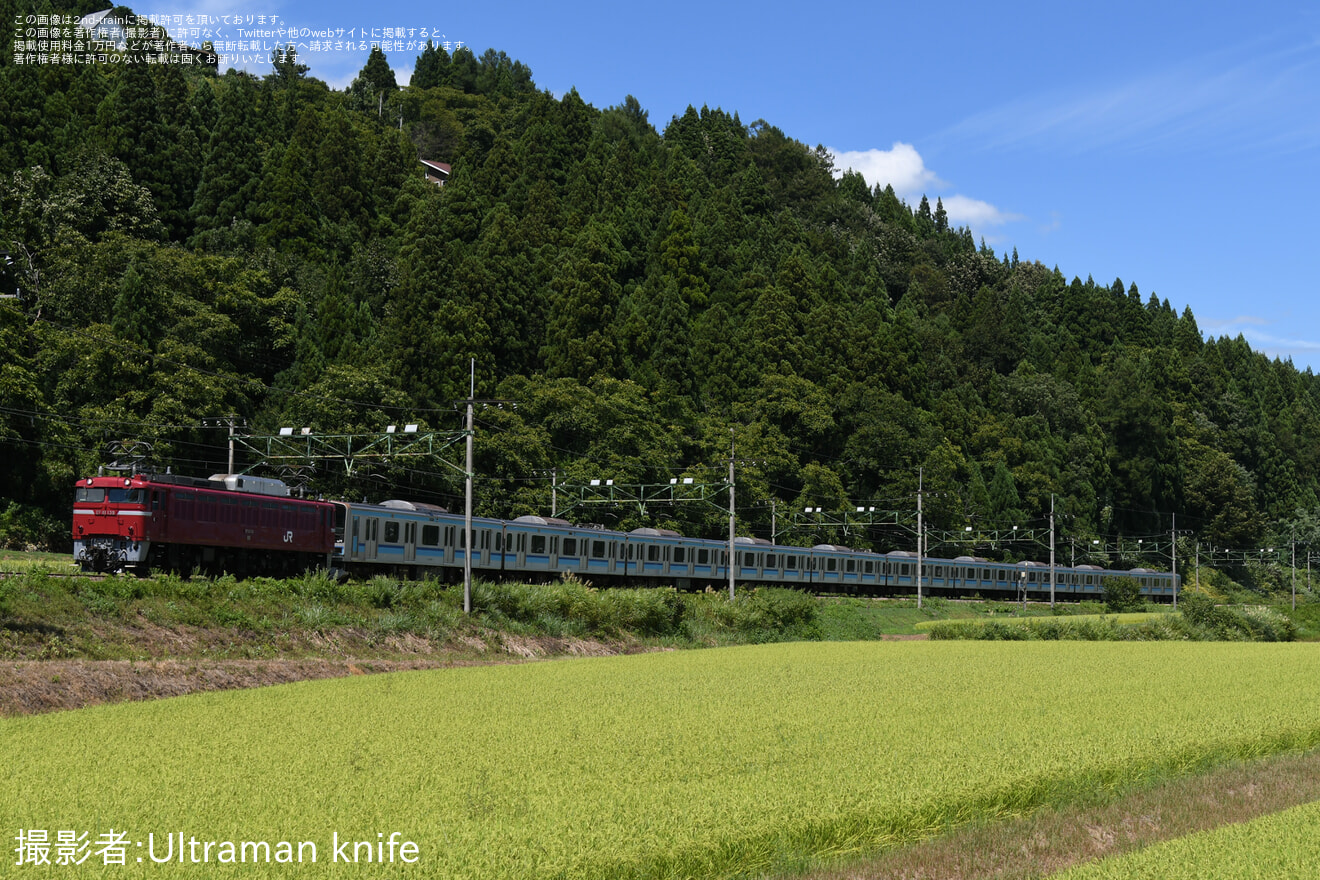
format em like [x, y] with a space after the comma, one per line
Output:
[689, 763]
[47, 617]
[1200, 619]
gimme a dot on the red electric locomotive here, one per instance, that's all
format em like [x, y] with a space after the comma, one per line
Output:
[242, 524]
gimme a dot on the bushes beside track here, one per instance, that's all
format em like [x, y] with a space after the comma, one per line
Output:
[263, 617]
[1199, 620]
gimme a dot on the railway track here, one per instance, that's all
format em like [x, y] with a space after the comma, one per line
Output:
[57, 574]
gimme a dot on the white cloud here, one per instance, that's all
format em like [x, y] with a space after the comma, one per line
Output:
[900, 167]
[964, 211]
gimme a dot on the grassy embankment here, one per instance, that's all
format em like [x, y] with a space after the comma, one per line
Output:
[124, 618]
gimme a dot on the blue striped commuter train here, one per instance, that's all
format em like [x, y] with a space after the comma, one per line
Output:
[414, 540]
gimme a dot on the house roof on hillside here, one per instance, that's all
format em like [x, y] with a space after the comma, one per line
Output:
[436, 172]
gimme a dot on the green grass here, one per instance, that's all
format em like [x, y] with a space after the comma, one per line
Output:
[1128, 618]
[29, 560]
[692, 763]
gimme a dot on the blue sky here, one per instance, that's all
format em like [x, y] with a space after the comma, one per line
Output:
[1173, 145]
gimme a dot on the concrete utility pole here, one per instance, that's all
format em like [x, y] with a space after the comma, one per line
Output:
[1051, 549]
[467, 501]
[1174, 554]
[920, 534]
[733, 559]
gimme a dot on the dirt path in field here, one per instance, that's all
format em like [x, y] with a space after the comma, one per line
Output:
[30, 687]
[1055, 839]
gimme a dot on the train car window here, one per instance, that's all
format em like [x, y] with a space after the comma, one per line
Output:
[1002, 576]
[868, 567]
[831, 564]
[430, 536]
[653, 553]
[790, 563]
[703, 556]
[353, 535]
[538, 543]
[570, 547]
[680, 555]
[769, 560]
[850, 565]
[904, 569]
[391, 533]
[939, 571]
[597, 549]
[410, 533]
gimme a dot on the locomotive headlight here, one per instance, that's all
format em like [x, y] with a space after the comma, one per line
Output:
[127, 481]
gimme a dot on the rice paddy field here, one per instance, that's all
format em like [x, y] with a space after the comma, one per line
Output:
[714, 763]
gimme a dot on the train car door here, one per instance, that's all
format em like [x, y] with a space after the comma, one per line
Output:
[410, 542]
[371, 537]
[158, 531]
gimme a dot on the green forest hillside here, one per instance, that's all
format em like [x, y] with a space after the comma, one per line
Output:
[190, 246]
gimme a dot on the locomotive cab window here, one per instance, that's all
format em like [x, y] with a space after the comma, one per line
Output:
[90, 496]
